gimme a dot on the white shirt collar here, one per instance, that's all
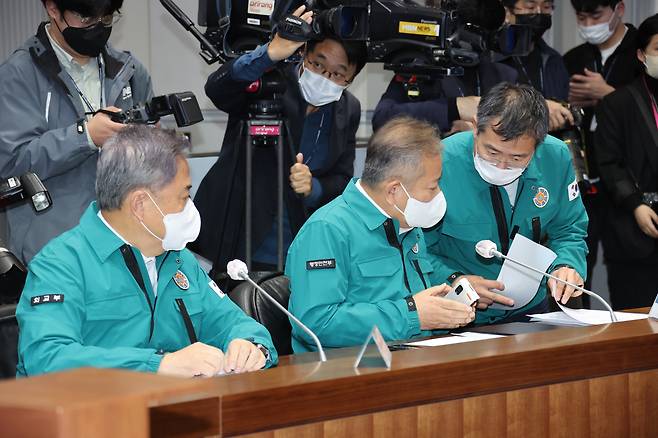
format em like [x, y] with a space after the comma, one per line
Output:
[372, 201]
[62, 55]
[100, 215]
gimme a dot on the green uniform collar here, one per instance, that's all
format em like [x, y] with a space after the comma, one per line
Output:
[363, 208]
[101, 238]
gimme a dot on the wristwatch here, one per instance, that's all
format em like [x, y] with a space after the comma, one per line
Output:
[266, 352]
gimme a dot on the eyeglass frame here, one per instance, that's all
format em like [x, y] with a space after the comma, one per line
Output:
[321, 70]
[497, 161]
[115, 17]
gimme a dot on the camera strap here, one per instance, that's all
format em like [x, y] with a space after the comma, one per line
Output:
[101, 78]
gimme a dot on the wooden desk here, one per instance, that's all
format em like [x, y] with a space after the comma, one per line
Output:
[574, 382]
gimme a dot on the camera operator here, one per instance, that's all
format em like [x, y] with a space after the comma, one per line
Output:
[322, 118]
[450, 103]
[543, 68]
[604, 62]
[626, 138]
[49, 89]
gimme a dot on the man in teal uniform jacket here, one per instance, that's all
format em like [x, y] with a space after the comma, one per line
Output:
[506, 178]
[120, 291]
[361, 261]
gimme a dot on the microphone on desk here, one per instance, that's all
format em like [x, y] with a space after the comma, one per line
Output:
[489, 249]
[237, 270]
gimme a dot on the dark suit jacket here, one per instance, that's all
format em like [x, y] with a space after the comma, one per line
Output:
[220, 198]
[628, 161]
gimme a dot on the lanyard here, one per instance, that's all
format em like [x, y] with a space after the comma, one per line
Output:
[101, 78]
[654, 107]
[525, 73]
[317, 137]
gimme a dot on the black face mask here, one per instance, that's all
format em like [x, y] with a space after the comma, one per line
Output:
[539, 23]
[87, 41]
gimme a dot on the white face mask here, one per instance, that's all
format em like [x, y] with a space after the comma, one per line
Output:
[180, 228]
[424, 214]
[599, 33]
[318, 90]
[494, 175]
[652, 65]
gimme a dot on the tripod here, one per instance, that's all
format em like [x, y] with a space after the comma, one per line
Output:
[265, 128]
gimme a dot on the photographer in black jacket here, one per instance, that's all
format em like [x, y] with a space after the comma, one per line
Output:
[627, 154]
[604, 62]
[322, 118]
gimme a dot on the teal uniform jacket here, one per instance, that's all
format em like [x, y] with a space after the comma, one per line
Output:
[347, 276]
[81, 306]
[547, 195]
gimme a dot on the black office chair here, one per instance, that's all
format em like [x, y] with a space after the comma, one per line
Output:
[262, 310]
[8, 341]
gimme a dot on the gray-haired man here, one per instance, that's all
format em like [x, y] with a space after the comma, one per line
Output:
[120, 291]
[507, 178]
[360, 260]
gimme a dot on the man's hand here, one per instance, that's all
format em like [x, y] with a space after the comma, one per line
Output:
[301, 179]
[101, 127]
[243, 356]
[197, 359]
[468, 107]
[558, 116]
[461, 126]
[562, 292]
[487, 291]
[647, 220]
[587, 88]
[436, 312]
[280, 48]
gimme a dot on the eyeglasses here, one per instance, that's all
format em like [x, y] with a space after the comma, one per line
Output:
[534, 6]
[106, 20]
[319, 68]
[496, 158]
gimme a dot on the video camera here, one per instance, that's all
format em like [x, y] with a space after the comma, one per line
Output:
[13, 190]
[406, 35]
[183, 106]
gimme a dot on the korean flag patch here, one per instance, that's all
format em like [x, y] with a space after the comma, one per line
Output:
[573, 190]
[216, 289]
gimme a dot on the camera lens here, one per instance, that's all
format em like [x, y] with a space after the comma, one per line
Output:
[459, 289]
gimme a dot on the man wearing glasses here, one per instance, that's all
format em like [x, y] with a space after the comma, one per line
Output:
[322, 118]
[508, 177]
[543, 68]
[50, 91]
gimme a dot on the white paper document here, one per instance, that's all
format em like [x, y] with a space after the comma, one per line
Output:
[522, 284]
[584, 317]
[454, 339]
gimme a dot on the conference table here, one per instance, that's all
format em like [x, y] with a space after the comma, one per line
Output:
[596, 381]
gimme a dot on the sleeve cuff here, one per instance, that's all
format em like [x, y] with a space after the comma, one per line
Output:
[413, 321]
[153, 363]
[313, 199]
[89, 140]
[632, 201]
[251, 66]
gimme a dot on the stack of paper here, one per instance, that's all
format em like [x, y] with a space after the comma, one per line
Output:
[454, 339]
[584, 317]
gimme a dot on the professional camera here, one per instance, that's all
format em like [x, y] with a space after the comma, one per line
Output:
[13, 190]
[183, 106]
[573, 136]
[406, 35]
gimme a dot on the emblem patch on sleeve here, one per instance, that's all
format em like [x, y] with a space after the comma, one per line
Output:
[320, 264]
[573, 190]
[45, 299]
